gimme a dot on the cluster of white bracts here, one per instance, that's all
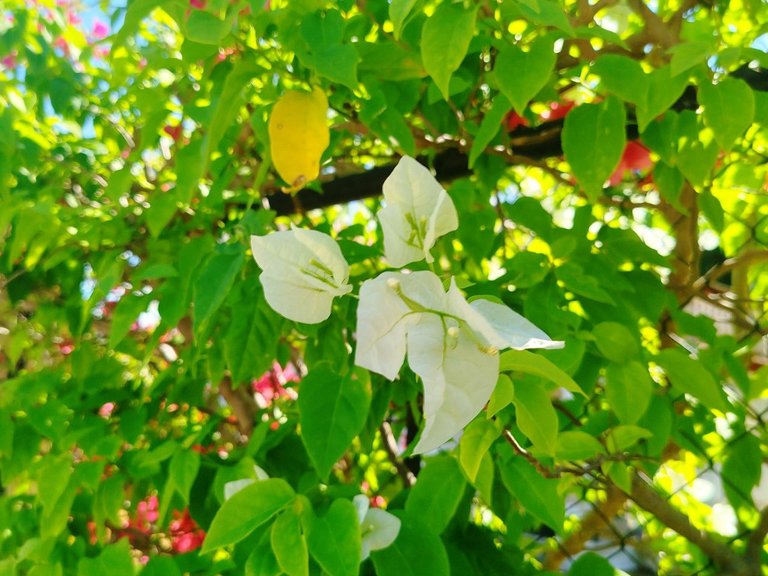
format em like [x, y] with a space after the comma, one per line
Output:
[451, 344]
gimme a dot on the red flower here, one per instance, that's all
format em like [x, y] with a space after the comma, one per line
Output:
[197, 4]
[636, 158]
[186, 535]
[557, 110]
[514, 121]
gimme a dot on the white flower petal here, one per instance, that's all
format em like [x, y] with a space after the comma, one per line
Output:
[302, 271]
[361, 503]
[380, 529]
[514, 329]
[383, 316]
[417, 212]
[458, 377]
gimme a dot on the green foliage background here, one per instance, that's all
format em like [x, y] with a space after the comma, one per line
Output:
[133, 169]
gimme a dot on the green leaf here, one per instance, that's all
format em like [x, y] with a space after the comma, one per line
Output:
[246, 511]
[477, 438]
[593, 142]
[669, 182]
[538, 495]
[251, 340]
[591, 564]
[489, 127]
[530, 363]
[161, 566]
[114, 560]
[663, 90]
[729, 108]
[205, 28]
[502, 396]
[712, 210]
[228, 103]
[437, 493]
[445, 40]
[697, 149]
[622, 76]
[536, 416]
[661, 137]
[323, 31]
[629, 389]
[577, 445]
[124, 315]
[136, 11]
[399, 11]
[689, 376]
[741, 470]
[334, 539]
[214, 282]
[333, 410]
[389, 61]
[289, 543]
[183, 471]
[615, 341]
[417, 551]
[688, 54]
[623, 437]
[521, 75]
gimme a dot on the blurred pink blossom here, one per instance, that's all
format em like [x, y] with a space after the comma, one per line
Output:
[100, 30]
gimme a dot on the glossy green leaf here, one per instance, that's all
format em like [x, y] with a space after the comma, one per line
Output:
[628, 388]
[437, 493]
[214, 281]
[536, 416]
[417, 551]
[521, 75]
[592, 564]
[742, 470]
[697, 149]
[399, 12]
[474, 444]
[593, 141]
[289, 543]
[535, 364]
[690, 376]
[334, 539]
[114, 560]
[538, 495]
[333, 410]
[445, 41]
[729, 108]
[246, 511]
[663, 90]
[577, 445]
[502, 395]
[623, 77]
[493, 121]
[616, 342]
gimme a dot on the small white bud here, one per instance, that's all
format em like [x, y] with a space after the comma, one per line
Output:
[453, 332]
[393, 283]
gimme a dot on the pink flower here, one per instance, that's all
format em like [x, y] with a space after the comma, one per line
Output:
[557, 110]
[106, 409]
[147, 512]
[100, 30]
[73, 19]
[197, 4]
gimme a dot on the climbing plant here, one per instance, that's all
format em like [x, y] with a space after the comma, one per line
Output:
[408, 287]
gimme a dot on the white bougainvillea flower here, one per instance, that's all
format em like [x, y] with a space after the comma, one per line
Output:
[302, 272]
[378, 527]
[418, 211]
[452, 345]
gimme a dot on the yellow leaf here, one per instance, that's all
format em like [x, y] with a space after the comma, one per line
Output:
[298, 134]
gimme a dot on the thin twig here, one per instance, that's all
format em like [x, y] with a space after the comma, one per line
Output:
[390, 447]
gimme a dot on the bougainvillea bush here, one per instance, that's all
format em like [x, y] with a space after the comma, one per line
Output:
[394, 288]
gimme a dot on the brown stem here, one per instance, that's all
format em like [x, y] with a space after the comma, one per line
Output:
[242, 403]
[390, 447]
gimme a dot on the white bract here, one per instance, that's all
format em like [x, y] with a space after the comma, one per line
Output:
[417, 212]
[378, 527]
[302, 271]
[451, 344]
